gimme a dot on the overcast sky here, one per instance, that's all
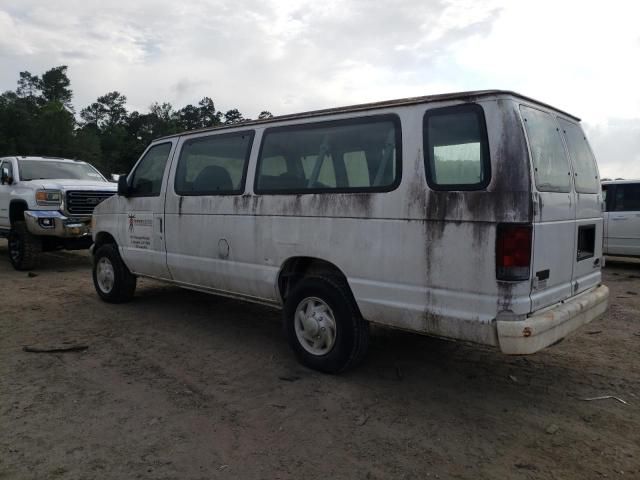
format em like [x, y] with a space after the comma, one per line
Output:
[287, 56]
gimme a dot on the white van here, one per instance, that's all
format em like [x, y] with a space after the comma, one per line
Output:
[622, 217]
[474, 216]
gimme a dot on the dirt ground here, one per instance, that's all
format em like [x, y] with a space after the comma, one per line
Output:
[183, 385]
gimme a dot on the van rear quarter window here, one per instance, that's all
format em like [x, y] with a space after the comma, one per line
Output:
[352, 155]
[550, 162]
[456, 148]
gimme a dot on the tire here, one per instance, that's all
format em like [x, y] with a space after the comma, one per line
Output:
[24, 247]
[112, 280]
[320, 343]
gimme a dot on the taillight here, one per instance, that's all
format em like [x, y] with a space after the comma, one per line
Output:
[513, 251]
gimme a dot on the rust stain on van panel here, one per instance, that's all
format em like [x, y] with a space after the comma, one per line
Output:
[478, 206]
[511, 165]
[506, 199]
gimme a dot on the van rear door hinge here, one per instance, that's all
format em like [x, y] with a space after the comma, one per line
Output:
[536, 204]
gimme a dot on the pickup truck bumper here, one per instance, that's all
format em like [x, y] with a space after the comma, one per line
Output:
[55, 224]
[550, 325]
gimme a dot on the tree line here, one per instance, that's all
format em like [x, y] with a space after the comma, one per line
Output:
[38, 118]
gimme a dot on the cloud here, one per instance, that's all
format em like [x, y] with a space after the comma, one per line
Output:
[287, 55]
[617, 147]
[254, 54]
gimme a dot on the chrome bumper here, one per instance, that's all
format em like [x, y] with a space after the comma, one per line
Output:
[55, 224]
[521, 337]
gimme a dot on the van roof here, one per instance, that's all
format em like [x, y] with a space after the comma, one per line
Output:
[610, 182]
[466, 96]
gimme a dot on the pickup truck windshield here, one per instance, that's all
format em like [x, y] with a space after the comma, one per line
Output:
[39, 170]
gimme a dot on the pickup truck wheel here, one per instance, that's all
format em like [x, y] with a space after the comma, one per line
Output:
[323, 325]
[24, 247]
[111, 277]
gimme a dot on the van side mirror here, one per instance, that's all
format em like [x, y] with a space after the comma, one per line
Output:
[123, 186]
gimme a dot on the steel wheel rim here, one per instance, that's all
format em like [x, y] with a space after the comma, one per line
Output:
[105, 275]
[315, 326]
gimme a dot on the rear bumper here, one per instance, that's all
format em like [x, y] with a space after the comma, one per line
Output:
[521, 337]
[54, 224]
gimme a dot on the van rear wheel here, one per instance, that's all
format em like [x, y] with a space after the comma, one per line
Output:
[112, 280]
[323, 325]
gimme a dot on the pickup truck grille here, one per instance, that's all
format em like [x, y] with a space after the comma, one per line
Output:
[83, 202]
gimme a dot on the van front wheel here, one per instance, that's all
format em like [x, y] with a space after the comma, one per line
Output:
[323, 325]
[112, 279]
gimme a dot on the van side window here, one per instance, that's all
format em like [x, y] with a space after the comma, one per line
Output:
[146, 179]
[355, 164]
[550, 162]
[354, 155]
[456, 148]
[585, 165]
[627, 197]
[213, 165]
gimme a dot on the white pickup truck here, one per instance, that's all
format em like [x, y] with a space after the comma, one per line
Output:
[46, 204]
[622, 218]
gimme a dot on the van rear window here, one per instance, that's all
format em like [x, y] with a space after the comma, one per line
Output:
[456, 148]
[585, 165]
[550, 162]
[354, 155]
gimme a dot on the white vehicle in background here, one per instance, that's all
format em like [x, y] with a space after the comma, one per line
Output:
[46, 204]
[474, 216]
[622, 217]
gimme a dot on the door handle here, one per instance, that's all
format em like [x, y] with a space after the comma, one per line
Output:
[160, 221]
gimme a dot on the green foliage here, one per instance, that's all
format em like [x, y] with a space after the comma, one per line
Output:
[55, 86]
[38, 119]
[233, 116]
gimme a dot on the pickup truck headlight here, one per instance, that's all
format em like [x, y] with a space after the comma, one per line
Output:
[49, 197]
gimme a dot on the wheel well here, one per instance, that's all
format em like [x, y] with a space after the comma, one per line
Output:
[296, 268]
[16, 211]
[103, 238]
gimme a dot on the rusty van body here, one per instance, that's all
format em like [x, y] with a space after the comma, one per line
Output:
[473, 216]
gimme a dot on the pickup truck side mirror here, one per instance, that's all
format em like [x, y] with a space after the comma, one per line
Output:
[5, 178]
[123, 186]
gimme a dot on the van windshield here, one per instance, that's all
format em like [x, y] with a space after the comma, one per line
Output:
[41, 170]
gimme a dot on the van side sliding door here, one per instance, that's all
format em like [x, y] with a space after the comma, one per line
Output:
[207, 235]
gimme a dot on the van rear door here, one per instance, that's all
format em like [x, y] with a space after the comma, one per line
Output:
[554, 230]
[589, 224]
